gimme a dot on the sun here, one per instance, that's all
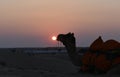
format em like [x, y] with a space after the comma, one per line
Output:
[54, 38]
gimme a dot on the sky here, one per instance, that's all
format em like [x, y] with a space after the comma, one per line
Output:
[32, 23]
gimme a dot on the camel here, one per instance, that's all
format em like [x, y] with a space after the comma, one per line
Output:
[100, 45]
[97, 58]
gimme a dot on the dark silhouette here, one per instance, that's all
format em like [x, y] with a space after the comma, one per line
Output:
[97, 44]
[101, 56]
[100, 45]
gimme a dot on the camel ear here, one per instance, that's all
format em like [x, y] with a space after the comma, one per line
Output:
[72, 34]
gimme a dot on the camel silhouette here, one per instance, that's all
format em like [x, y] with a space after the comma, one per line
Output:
[100, 58]
[100, 45]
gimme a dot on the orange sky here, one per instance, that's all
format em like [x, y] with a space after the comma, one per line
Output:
[33, 22]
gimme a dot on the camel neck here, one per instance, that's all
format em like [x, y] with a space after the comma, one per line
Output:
[71, 48]
[73, 54]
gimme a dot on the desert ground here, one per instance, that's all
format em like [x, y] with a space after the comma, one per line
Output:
[21, 64]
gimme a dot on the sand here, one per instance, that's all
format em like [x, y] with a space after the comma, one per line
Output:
[17, 64]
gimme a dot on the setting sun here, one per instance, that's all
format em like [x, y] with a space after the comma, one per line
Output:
[54, 38]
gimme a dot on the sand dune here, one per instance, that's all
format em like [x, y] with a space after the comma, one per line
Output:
[42, 65]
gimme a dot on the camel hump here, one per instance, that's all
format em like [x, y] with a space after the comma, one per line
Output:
[111, 45]
[97, 44]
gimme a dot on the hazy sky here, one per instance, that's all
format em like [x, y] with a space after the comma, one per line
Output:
[31, 23]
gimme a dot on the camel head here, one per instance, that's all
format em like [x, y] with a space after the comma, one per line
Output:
[66, 38]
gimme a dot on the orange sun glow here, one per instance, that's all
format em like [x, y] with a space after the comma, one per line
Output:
[54, 38]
